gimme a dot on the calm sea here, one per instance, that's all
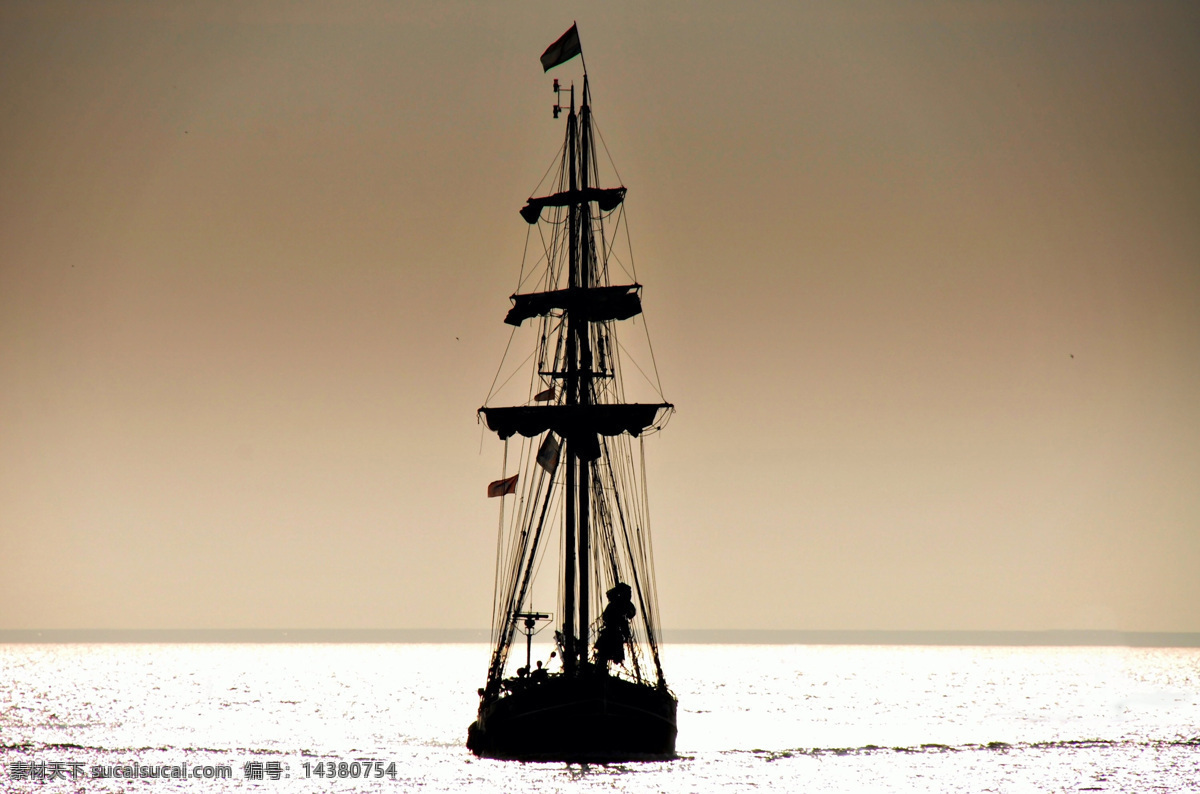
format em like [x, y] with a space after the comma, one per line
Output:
[752, 717]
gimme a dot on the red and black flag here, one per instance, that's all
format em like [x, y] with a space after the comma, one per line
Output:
[563, 50]
[503, 487]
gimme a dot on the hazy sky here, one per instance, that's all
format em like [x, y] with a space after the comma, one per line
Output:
[923, 281]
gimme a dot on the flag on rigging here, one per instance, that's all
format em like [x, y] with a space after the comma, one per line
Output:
[547, 456]
[563, 50]
[545, 396]
[503, 487]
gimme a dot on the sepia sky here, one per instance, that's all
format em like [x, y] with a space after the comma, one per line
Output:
[922, 279]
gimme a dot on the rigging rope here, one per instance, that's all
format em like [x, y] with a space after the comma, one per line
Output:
[492, 388]
[621, 549]
[499, 537]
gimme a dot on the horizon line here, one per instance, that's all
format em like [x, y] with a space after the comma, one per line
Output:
[968, 637]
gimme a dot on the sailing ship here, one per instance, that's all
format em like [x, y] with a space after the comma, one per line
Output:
[579, 485]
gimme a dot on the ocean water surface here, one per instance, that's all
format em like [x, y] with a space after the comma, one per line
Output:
[284, 718]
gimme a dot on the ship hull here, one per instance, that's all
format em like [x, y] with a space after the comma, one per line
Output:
[597, 719]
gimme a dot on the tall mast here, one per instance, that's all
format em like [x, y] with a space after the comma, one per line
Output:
[585, 365]
[582, 420]
[570, 652]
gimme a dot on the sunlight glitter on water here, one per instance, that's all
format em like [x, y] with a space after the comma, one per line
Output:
[775, 718]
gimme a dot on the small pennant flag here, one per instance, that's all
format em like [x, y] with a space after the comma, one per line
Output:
[561, 51]
[545, 396]
[503, 487]
[547, 456]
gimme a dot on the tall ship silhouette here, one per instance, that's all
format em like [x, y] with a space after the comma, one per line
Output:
[573, 484]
